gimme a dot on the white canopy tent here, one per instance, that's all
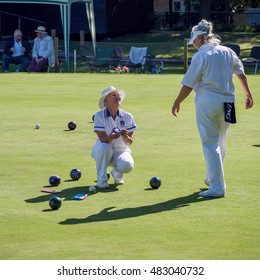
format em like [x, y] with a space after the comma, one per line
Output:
[65, 8]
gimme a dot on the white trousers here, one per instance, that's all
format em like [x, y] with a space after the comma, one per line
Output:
[105, 156]
[213, 132]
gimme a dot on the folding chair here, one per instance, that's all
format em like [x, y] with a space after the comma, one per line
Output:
[117, 57]
[139, 58]
[254, 58]
[102, 60]
[234, 47]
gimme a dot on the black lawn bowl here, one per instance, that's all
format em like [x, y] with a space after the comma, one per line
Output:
[72, 125]
[155, 182]
[54, 180]
[55, 202]
[75, 174]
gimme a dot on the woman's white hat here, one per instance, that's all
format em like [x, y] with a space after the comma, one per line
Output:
[194, 35]
[40, 29]
[106, 92]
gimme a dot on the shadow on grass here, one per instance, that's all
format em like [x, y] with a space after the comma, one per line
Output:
[67, 194]
[108, 215]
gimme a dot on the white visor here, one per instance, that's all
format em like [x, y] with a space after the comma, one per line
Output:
[194, 35]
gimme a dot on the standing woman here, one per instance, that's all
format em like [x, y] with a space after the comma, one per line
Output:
[210, 75]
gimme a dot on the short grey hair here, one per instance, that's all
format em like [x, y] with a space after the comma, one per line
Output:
[18, 32]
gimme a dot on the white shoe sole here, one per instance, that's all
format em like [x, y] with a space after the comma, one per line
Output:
[119, 182]
[211, 194]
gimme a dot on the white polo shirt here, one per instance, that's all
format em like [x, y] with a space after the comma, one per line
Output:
[42, 47]
[211, 72]
[104, 122]
[18, 49]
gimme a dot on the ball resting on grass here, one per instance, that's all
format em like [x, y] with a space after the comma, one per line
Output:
[72, 125]
[55, 202]
[92, 189]
[155, 182]
[75, 174]
[54, 180]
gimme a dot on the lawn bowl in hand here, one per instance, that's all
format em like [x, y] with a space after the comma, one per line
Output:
[55, 202]
[75, 174]
[72, 125]
[54, 180]
[155, 182]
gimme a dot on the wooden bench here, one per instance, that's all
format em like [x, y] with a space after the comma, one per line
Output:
[57, 64]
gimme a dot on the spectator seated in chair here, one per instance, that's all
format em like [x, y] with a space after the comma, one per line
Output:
[43, 51]
[17, 51]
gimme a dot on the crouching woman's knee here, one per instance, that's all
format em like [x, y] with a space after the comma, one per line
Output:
[126, 166]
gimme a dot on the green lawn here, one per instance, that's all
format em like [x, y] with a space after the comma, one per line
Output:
[129, 222]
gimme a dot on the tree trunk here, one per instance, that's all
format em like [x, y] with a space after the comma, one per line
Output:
[205, 9]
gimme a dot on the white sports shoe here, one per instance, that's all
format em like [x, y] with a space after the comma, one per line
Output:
[213, 193]
[117, 177]
[102, 185]
[119, 182]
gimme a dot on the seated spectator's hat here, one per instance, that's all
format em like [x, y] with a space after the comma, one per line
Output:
[40, 29]
[106, 92]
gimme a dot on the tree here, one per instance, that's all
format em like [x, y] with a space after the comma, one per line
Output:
[221, 10]
[205, 9]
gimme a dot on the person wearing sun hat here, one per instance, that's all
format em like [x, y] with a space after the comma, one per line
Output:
[210, 75]
[43, 51]
[115, 131]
